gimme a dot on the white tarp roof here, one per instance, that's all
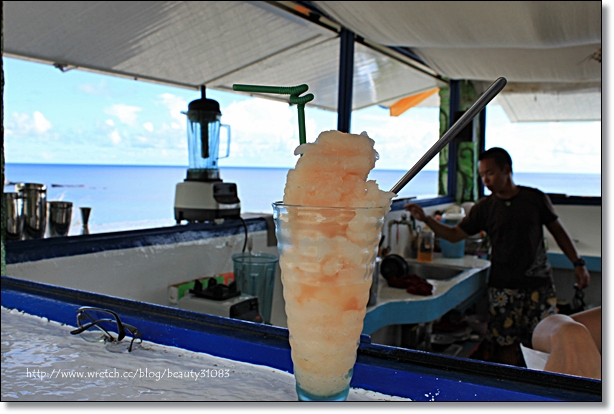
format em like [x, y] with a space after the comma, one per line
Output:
[542, 48]
[216, 43]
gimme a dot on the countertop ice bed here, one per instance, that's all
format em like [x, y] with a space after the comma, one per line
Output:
[42, 361]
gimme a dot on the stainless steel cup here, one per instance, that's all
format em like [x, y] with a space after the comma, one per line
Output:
[13, 208]
[34, 209]
[60, 215]
[85, 217]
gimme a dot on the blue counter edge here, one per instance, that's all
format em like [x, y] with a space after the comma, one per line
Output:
[397, 312]
[560, 261]
[49, 248]
[412, 374]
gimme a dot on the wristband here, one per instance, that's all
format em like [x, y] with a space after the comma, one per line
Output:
[579, 262]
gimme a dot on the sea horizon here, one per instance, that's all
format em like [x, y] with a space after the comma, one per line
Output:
[125, 197]
[259, 167]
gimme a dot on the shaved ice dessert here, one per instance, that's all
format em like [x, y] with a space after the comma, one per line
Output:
[328, 230]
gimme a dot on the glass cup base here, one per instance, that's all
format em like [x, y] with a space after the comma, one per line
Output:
[306, 396]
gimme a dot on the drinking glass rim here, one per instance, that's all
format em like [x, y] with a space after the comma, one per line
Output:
[282, 204]
[261, 257]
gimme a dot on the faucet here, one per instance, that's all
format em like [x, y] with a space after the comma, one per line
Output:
[403, 221]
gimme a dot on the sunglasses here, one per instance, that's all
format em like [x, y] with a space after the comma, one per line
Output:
[103, 325]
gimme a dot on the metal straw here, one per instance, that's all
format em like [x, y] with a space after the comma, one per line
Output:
[492, 91]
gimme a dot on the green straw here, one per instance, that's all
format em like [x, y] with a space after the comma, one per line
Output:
[293, 91]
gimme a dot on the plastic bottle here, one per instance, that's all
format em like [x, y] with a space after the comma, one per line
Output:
[426, 245]
[452, 217]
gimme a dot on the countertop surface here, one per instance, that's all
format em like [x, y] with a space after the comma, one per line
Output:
[397, 306]
[472, 264]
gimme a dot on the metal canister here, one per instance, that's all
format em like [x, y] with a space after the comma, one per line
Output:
[34, 198]
[373, 291]
[13, 210]
[85, 217]
[60, 216]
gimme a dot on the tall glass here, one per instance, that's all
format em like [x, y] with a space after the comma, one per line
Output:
[327, 259]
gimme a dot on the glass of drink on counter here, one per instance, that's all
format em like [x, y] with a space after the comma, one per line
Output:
[426, 245]
[327, 258]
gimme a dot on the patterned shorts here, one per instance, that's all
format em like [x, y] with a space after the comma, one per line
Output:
[514, 313]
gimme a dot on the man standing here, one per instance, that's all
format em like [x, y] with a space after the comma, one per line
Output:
[520, 287]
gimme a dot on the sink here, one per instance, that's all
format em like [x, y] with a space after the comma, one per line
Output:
[433, 271]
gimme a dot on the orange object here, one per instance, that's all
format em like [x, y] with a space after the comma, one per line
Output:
[301, 9]
[228, 277]
[425, 257]
[404, 104]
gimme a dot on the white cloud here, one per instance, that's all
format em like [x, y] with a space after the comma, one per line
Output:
[22, 124]
[41, 124]
[126, 114]
[99, 89]
[400, 141]
[110, 122]
[175, 105]
[148, 126]
[263, 132]
[115, 137]
[572, 147]
[16, 123]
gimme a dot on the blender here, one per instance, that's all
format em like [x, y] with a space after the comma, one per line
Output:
[203, 196]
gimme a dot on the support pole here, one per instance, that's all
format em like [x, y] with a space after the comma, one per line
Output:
[453, 146]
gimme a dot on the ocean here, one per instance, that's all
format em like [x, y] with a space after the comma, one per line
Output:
[132, 197]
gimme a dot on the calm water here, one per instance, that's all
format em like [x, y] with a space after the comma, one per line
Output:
[127, 197]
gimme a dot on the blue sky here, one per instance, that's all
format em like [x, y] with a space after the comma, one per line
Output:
[85, 118]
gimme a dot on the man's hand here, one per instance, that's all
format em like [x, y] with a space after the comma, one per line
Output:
[416, 211]
[451, 234]
[583, 278]
[565, 242]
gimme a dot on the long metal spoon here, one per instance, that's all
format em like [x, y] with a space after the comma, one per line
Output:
[492, 91]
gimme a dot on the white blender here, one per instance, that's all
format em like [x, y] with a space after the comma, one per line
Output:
[203, 196]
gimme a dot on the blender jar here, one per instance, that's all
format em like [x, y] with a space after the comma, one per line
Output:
[204, 139]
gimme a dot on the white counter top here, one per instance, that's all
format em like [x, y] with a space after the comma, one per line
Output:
[396, 306]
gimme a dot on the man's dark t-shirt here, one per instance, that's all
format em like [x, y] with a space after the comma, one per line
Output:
[518, 258]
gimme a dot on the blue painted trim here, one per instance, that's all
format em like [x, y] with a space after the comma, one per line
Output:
[398, 204]
[394, 371]
[406, 51]
[426, 310]
[560, 261]
[561, 199]
[31, 250]
[487, 381]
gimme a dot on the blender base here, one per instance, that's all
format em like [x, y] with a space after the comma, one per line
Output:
[206, 201]
[200, 215]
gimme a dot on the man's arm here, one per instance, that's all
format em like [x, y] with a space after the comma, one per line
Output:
[451, 234]
[564, 241]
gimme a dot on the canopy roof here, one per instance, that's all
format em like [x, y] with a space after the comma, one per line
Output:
[544, 49]
[549, 51]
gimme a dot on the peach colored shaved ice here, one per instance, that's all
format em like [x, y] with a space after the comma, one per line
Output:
[327, 255]
[333, 172]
